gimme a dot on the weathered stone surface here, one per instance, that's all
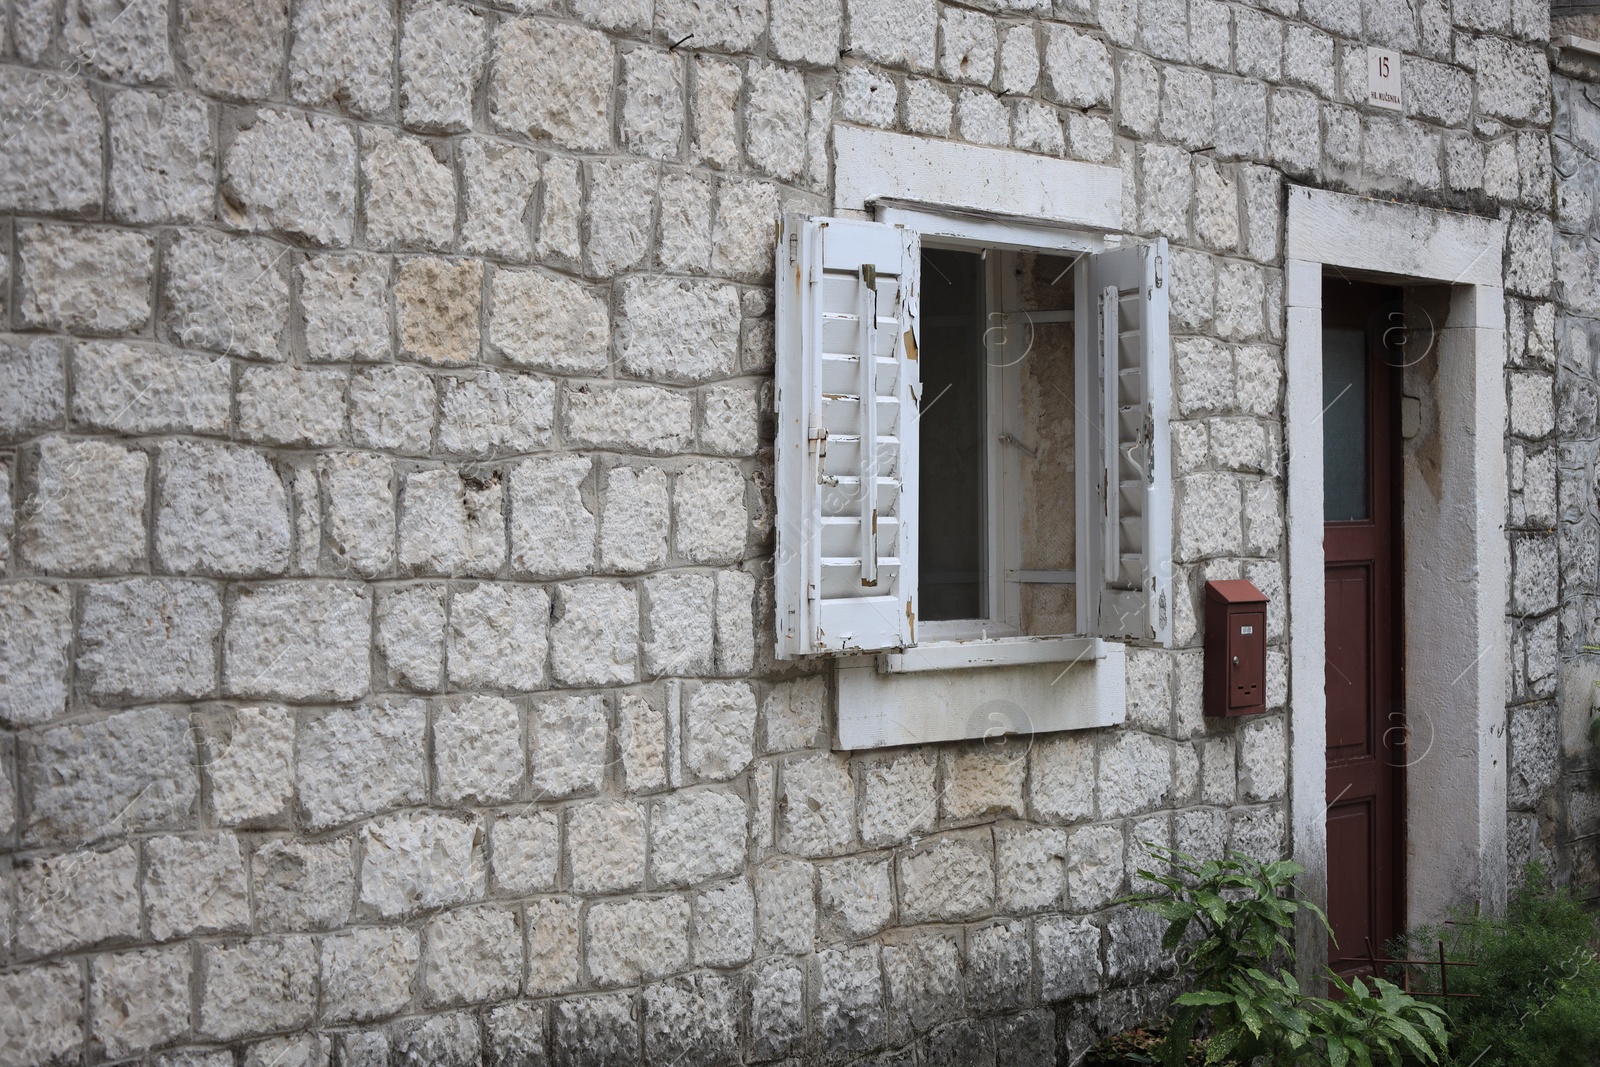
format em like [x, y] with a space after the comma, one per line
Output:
[552, 528]
[709, 513]
[293, 173]
[474, 955]
[144, 389]
[642, 743]
[898, 799]
[124, 43]
[552, 80]
[899, 33]
[299, 640]
[1069, 957]
[150, 639]
[567, 745]
[442, 1040]
[736, 639]
[949, 878]
[500, 182]
[651, 98]
[52, 161]
[441, 58]
[41, 1012]
[786, 908]
[923, 973]
[715, 111]
[561, 215]
[368, 972]
[303, 886]
[292, 405]
[345, 301]
[999, 966]
[516, 1035]
[249, 756]
[525, 853]
[360, 511]
[606, 846]
[260, 985]
[392, 407]
[129, 772]
[694, 1019]
[678, 330]
[1094, 866]
[409, 194]
[984, 779]
[695, 836]
[32, 384]
[594, 639]
[420, 860]
[636, 418]
[477, 750]
[634, 521]
[724, 925]
[1031, 868]
[553, 930]
[775, 120]
[640, 938]
[548, 321]
[139, 999]
[194, 885]
[621, 199]
[35, 638]
[84, 279]
[77, 899]
[595, 1029]
[817, 802]
[220, 511]
[849, 1013]
[777, 1008]
[493, 414]
[452, 525]
[231, 51]
[360, 761]
[497, 637]
[411, 630]
[436, 307]
[343, 54]
[679, 638]
[857, 896]
[163, 161]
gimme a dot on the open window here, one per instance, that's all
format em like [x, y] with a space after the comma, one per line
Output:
[1007, 479]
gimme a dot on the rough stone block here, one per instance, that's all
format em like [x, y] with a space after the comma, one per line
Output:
[1069, 957]
[595, 638]
[300, 640]
[724, 925]
[83, 279]
[303, 886]
[343, 54]
[923, 973]
[516, 1034]
[561, 215]
[634, 418]
[359, 490]
[220, 511]
[494, 414]
[1031, 869]
[606, 846]
[651, 98]
[419, 860]
[857, 896]
[786, 907]
[149, 639]
[735, 622]
[163, 160]
[553, 930]
[552, 528]
[441, 1040]
[411, 629]
[548, 321]
[679, 639]
[52, 161]
[595, 1030]
[436, 308]
[345, 303]
[35, 638]
[126, 44]
[775, 120]
[709, 513]
[368, 972]
[715, 110]
[642, 743]
[293, 173]
[552, 80]
[360, 761]
[76, 899]
[983, 780]
[567, 745]
[678, 330]
[195, 885]
[695, 836]
[500, 182]
[474, 955]
[898, 33]
[132, 771]
[1094, 866]
[452, 525]
[898, 799]
[442, 53]
[525, 853]
[868, 97]
[848, 1015]
[683, 242]
[138, 1000]
[999, 967]
[392, 407]
[1078, 68]
[693, 1019]
[291, 405]
[33, 385]
[777, 1008]
[249, 764]
[947, 879]
[640, 938]
[477, 750]
[231, 51]
[621, 203]
[409, 194]
[138, 389]
[41, 1012]
[258, 986]
[497, 637]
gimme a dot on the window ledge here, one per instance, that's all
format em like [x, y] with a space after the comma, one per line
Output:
[995, 652]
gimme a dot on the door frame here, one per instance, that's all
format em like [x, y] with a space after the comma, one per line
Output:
[1455, 594]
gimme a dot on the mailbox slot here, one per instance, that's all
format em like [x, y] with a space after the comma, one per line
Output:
[1235, 649]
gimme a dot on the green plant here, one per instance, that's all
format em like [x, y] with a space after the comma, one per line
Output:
[1536, 983]
[1233, 919]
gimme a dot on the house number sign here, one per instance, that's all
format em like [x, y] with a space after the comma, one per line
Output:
[1383, 78]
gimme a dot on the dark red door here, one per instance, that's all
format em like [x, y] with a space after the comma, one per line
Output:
[1366, 713]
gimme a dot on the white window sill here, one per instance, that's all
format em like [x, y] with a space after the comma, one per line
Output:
[992, 652]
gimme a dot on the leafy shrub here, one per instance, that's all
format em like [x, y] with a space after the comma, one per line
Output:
[1537, 980]
[1233, 920]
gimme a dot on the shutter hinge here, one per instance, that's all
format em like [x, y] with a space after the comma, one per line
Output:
[815, 431]
[1161, 267]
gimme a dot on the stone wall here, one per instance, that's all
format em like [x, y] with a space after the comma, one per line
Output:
[385, 621]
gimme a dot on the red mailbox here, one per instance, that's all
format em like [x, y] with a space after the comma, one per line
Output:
[1236, 649]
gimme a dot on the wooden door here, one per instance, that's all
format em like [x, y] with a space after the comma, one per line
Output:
[1365, 708]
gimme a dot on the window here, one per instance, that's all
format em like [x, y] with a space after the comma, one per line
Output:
[949, 468]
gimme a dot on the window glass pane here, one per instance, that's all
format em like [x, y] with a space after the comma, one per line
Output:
[1344, 425]
[951, 582]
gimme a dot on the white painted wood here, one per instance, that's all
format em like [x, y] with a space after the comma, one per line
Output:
[872, 166]
[1339, 229]
[845, 570]
[964, 655]
[878, 710]
[938, 227]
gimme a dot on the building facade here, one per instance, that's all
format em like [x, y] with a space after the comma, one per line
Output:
[448, 616]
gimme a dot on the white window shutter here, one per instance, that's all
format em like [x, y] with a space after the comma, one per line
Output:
[1131, 556]
[847, 470]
